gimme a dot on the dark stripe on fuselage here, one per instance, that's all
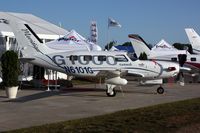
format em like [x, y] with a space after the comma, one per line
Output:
[197, 65]
[29, 28]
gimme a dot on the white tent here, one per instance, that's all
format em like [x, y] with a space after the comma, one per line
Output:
[163, 45]
[163, 48]
[73, 41]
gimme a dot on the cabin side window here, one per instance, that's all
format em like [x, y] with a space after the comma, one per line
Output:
[193, 59]
[87, 58]
[173, 59]
[102, 58]
[121, 58]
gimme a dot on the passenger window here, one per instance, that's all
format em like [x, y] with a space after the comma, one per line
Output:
[193, 59]
[173, 59]
[87, 58]
[73, 57]
[121, 58]
[101, 58]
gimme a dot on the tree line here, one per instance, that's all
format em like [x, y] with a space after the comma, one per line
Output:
[179, 46]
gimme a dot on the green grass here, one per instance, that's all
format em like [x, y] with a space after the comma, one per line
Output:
[162, 118]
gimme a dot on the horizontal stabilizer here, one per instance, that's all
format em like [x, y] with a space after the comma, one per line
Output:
[26, 59]
[135, 74]
[185, 69]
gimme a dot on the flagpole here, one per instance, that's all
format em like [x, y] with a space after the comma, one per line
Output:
[111, 23]
[108, 38]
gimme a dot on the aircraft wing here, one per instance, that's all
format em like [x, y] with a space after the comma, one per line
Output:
[185, 69]
[26, 59]
[110, 72]
[192, 67]
[113, 72]
[135, 74]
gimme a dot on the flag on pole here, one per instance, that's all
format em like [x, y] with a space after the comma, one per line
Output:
[113, 23]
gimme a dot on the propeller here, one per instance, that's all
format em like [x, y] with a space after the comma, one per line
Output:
[180, 77]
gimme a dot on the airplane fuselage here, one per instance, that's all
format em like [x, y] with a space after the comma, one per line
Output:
[192, 60]
[84, 63]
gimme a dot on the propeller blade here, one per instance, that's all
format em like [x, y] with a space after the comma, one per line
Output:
[182, 59]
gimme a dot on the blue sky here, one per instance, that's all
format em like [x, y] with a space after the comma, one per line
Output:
[152, 19]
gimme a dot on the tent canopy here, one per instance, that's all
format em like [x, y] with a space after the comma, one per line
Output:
[72, 41]
[163, 45]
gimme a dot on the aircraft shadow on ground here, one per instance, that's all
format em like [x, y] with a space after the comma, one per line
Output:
[33, 97]
[148, 85]
[76, 91]
[3, 97]
[71, 92]
[62, 92]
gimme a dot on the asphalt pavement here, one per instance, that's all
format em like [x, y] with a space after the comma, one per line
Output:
[36, 106]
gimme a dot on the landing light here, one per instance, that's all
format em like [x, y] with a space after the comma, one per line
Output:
[171, 68]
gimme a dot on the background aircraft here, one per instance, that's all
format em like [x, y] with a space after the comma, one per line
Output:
[194, 39]
[183, 58]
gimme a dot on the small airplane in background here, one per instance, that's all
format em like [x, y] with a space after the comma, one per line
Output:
[186, 61]
[181, 56]
[194, 39]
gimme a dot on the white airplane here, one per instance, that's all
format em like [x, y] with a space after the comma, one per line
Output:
[194, 39]
[181, 56]
[111, 65]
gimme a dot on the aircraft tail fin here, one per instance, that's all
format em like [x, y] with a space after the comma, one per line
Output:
[139, 45]
[194, 39]
[28, 42]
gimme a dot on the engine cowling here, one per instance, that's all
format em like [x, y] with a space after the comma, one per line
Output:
[117, 81]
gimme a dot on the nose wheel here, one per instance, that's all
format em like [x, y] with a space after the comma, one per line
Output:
[112, 93]
[111, 90]
[160, 90]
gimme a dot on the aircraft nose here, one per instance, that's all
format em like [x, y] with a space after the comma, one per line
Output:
[171, 69]
[177, 67]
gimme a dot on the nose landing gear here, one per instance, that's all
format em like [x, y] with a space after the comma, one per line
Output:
[111, 92]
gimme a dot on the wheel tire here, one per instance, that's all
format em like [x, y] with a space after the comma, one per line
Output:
[160, 90]
[112, 94]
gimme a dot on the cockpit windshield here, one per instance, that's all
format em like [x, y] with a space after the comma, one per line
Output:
[132, 56]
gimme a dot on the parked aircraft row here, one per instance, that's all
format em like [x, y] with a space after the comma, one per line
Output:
[194, 39]
[92, 61]
[167, 53]
[109, 64]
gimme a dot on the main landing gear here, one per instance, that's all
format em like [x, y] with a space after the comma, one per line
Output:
[110, 90]
[160, 90]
